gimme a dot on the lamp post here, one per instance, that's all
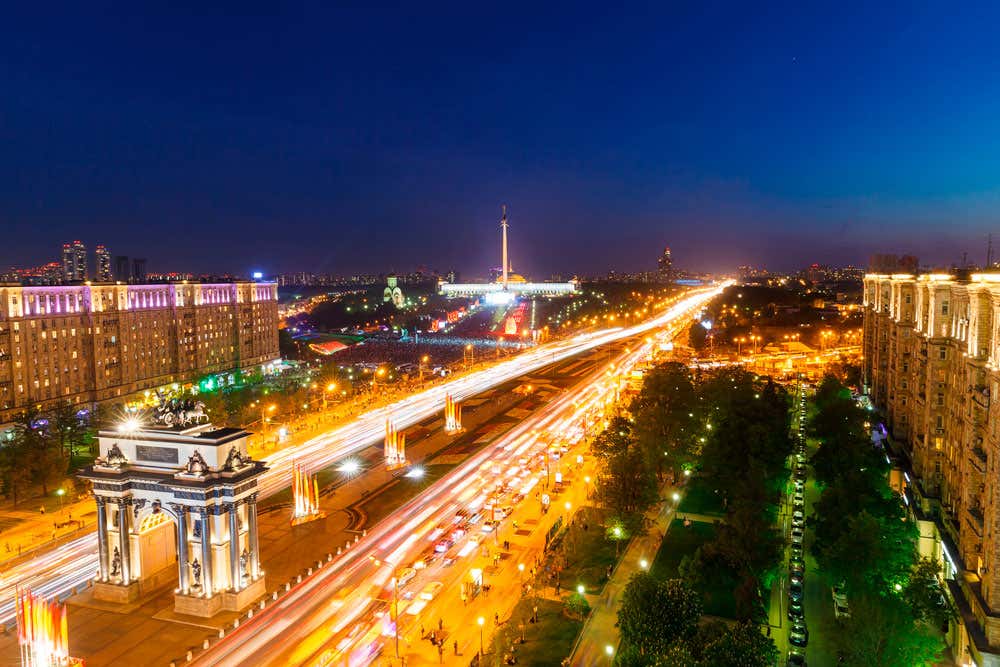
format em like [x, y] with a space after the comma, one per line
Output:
[60, 492]
[480, 621]
[332, 387]
[471, 359]
[423, 360]
[263, 416]
[395, 611]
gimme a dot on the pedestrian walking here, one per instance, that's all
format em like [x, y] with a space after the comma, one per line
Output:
[455, 646]
[440, 624]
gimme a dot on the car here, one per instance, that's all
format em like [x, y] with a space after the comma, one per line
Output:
[797, 514]
[405, 576]
[796, 577]
[444, 545]
[797, 535]
[796, 659]
[798, 523]
[795, 591]
[797, 569]
[796, 548]
[796, 612]
[431, 590]
[839, 594]
[841, 611]
[798, 635]
[796, 562]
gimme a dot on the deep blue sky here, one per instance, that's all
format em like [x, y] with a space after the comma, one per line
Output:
[344, 139]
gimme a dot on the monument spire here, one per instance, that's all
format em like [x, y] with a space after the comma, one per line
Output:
[503, 227]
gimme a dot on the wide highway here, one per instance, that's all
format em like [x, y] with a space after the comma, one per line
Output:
[60, 570]
[341, 614]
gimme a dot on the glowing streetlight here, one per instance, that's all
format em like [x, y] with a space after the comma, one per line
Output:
[60, 492]
[580, 588]
[480, 621]
[644, 564]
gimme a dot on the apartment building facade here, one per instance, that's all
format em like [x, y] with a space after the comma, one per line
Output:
[932, 366]
[96, 342]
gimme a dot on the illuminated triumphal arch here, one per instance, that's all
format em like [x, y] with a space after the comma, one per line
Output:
[177, 504]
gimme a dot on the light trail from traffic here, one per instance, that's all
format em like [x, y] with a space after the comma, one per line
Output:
[59, 571]
[338, 615]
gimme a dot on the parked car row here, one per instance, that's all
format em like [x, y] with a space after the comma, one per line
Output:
[798, 633]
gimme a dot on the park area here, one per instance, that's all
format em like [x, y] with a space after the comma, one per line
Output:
[681, 542]
[546, 643]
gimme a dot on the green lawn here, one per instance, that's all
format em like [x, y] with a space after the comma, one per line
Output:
[589, 553]
[682, 541]
[397, 493]
[700, 498]
[547, 642]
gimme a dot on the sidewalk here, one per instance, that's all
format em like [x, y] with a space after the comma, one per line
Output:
[599, 631]
[31, 529]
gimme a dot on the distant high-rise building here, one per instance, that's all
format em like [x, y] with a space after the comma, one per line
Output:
[74, 259]
[138, 270]
[665, 266]
[102, 263]
[123, 271]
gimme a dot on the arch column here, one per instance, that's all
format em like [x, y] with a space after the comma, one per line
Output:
[102, 536]
[124, 538]
[206, 552]
[235, 576]
[252, 536]
[182, 548]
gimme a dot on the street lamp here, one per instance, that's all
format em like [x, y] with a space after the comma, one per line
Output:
[644, 564]
[580, 588]
[480, 621]
[60, 492]
[610, 650]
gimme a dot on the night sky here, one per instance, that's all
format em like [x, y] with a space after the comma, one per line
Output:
[304, 137]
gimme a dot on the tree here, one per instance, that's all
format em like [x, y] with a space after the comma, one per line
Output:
[615, 439]
[666, 416]
[66, 427]
[882, 631]
[678, 655]
[41, 452]
[743, 645]
[15, 475]
[626, 485]
[924, 596]
[654, 614]
[576, 606]
[697, 336]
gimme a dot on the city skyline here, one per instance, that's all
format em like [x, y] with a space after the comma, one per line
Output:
[627, 131]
